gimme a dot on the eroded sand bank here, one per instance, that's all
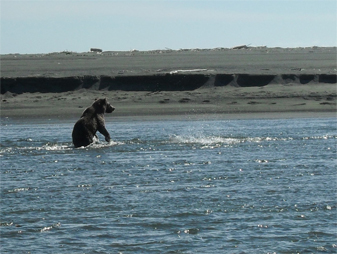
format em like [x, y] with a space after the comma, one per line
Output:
[219, 81]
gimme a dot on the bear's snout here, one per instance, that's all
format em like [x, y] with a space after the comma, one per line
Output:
[109, 109]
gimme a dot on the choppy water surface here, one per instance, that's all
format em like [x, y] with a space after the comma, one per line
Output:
[215, 186]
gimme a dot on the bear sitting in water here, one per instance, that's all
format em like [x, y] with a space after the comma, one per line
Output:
[91, 121]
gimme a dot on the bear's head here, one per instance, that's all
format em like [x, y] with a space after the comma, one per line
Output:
[103, 106]
[109, 108]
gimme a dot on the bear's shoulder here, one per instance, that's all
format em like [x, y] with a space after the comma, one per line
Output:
[88, 111]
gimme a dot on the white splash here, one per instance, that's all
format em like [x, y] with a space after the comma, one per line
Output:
[54, 147]
[98, 144]
[204, 140]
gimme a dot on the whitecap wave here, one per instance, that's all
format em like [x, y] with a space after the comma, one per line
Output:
[55, 147]
[204, 140]
[7, 150]
[46, 147]
[218, 140]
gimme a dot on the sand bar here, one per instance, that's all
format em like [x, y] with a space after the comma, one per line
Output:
[164, 82]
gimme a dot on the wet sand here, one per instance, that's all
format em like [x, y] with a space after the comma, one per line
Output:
[274, 99]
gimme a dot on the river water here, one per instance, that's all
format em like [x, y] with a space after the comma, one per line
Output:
[170, 186]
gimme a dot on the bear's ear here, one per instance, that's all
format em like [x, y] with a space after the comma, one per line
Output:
[105, 101]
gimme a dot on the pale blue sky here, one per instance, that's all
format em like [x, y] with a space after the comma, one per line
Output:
[77, 25]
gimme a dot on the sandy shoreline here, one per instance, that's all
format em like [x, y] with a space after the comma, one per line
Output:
[302, 90]
[272, 99]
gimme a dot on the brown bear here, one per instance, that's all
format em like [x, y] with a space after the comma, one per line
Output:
[91, 121]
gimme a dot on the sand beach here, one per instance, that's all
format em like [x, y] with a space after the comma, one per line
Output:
[238, 83]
